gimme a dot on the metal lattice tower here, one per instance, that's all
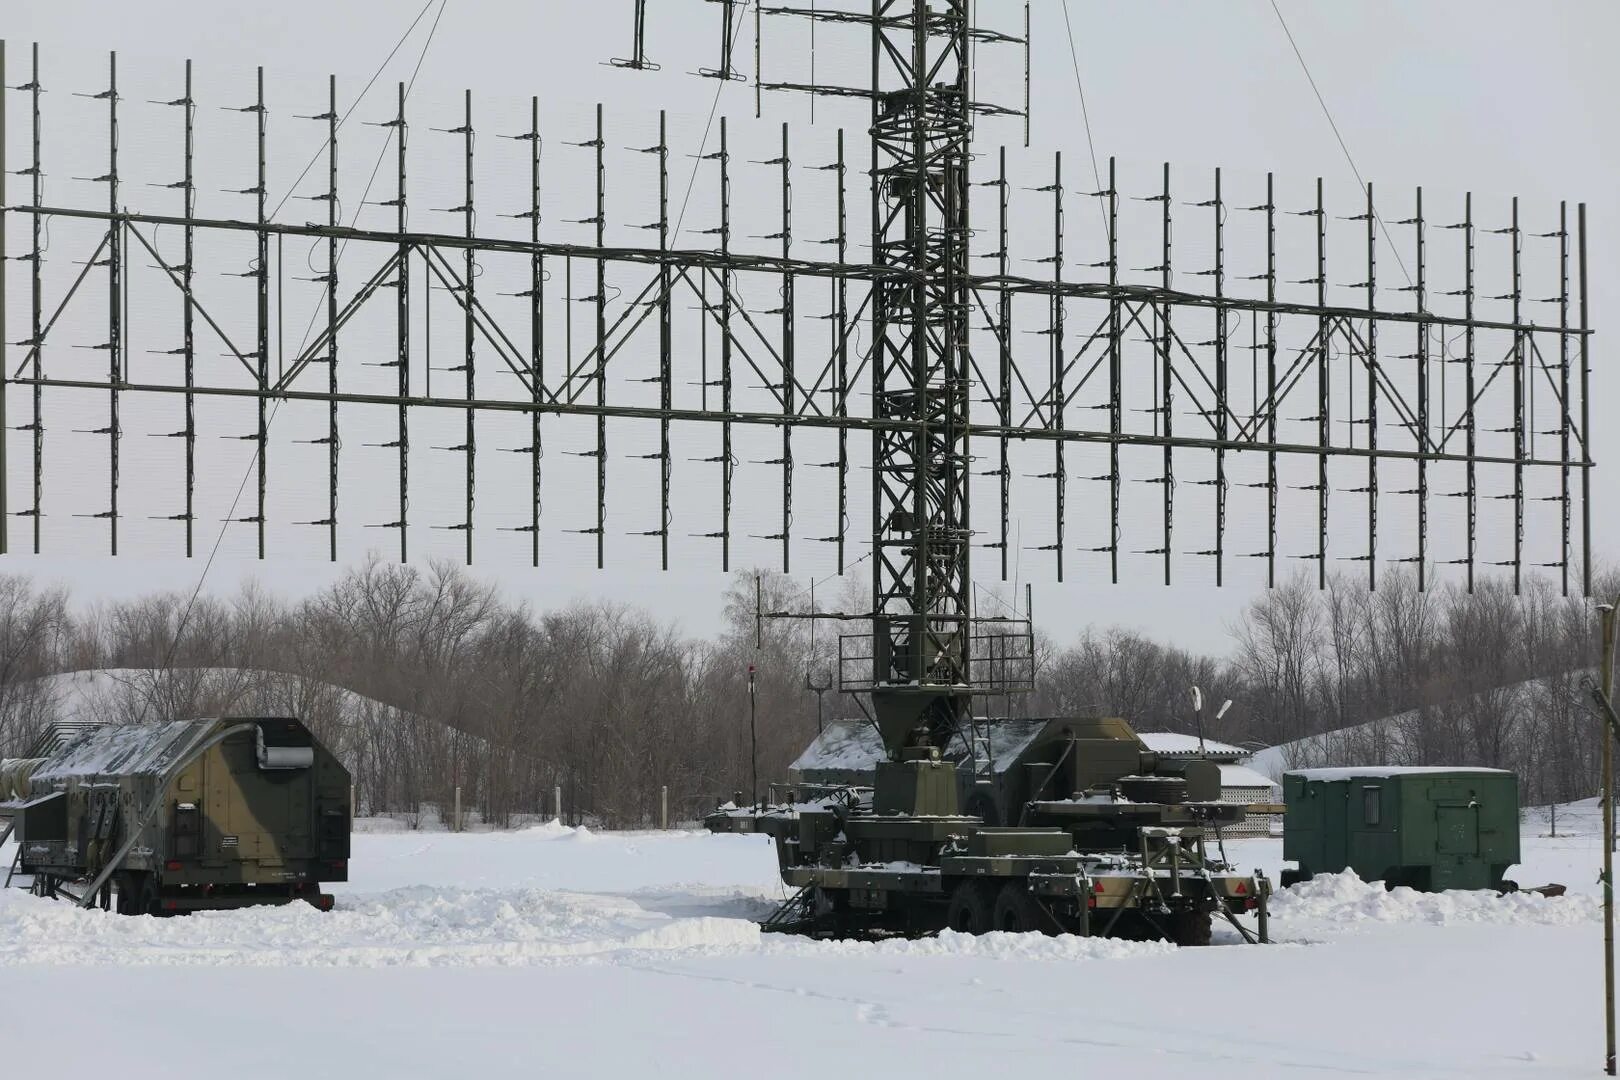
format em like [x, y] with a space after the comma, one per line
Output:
[921, 126]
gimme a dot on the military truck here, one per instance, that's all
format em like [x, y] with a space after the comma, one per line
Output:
[181, 816]
[1057, 825]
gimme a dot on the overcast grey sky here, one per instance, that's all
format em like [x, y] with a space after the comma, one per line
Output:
[1500, 98]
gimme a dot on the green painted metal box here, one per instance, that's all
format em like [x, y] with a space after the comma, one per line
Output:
[1427, 828]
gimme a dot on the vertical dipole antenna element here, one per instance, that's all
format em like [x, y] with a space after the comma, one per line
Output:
[1471, 488]
[787, 350]
[841, 329]
[638, 47]
[1028, 85]
[727, 39]
[666, 344]
[1116, 364]
[641, 34]
[1425, 444]
[1167, 375]
[1372, 393]
[5, 370]
[1220, 383]
[1324, 418]
[759, 58]
[1060, 478]
[115, 300]
[332, 441]
[725, 348]
[469, 326]
[1004, 379]
[537, 324]
[261, 283]
[601, 343]
[188, 342]
[402, 315]
[1563, 394]
[1271, 381]
[36, 305]
[1521, 421]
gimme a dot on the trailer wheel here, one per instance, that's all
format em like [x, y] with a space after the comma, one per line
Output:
[1018, 912]
[972, 908]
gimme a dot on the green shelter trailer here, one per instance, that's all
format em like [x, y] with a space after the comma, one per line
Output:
[1426, 828]
[180, 815]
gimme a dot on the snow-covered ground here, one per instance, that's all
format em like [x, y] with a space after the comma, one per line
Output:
[580, 954]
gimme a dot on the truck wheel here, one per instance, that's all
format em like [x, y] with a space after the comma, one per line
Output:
[1018, 912]
[971, 908]
[149, 901]
[1190, 927]
[128, 887]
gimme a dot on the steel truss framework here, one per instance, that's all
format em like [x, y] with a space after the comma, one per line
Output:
[934, 293]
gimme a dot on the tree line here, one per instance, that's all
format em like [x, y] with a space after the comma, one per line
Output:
[423, 680]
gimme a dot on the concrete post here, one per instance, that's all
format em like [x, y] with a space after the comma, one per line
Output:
[663, 807]
[457, 821]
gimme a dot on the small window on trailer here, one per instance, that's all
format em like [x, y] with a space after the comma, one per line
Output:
[1372, 804]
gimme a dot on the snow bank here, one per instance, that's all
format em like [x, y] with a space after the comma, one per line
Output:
[428, 926]
[1386, 772]
[417, 927]
[1341, 899]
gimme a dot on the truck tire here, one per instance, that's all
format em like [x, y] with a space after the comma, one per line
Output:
[971, 908]
[149, 899]
[1018, 912]
[128, 886]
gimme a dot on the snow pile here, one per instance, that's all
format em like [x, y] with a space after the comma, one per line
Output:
[1343, 899]
[424, 926]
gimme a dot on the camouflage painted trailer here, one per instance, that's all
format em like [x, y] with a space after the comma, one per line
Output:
[182, 815]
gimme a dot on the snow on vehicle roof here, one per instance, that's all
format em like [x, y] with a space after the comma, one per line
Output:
[842, 744]
[854, 745]
[1174, 742]
[1243, 776]
[1384, 772]
[121, 748]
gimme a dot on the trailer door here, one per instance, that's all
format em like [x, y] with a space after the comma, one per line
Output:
[1457, 829]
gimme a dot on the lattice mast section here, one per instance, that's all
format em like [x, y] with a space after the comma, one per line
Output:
[921, 127]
